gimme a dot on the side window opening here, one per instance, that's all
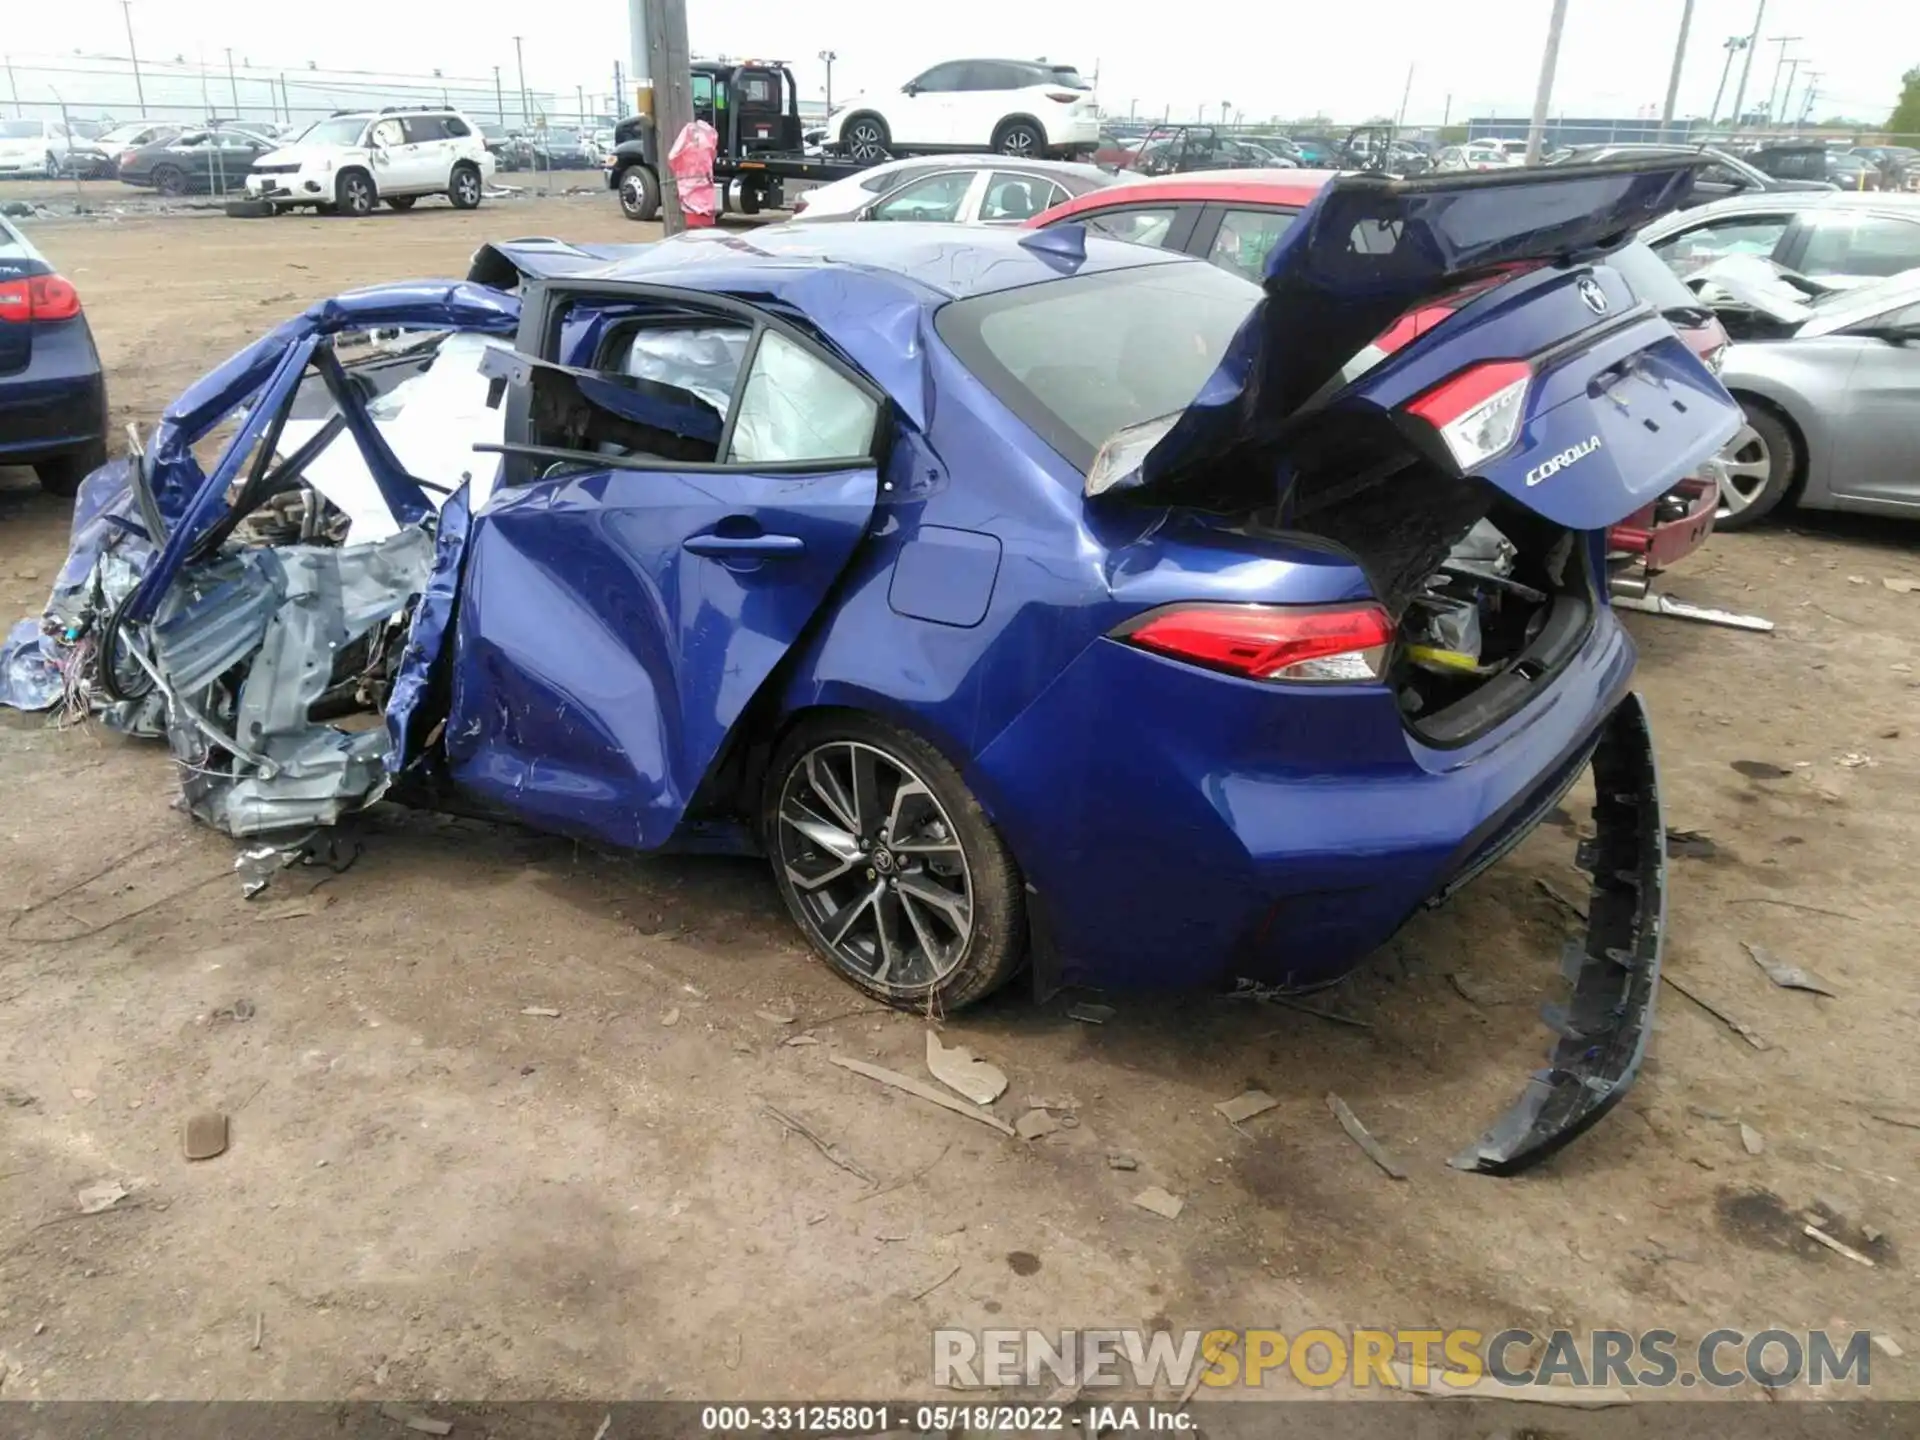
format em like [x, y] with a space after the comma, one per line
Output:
[389, 133]
[455, 127]
[422, 129]
[702, 390]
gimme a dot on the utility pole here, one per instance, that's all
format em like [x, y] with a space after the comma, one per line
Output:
[15, 88]
[1793, 69]
[1407, 94]
[828, 57]
[1746, 69]
[1779, 64]
[139, 89]
[1543, 93]
[526, 110]
[640, 65]
[1679, 61]
[669, 68]
[1733, 46]
[233, 83]
[499, 97]
[580, 97]
[1813, 89]
[1446, 115]
[619, 95]
[286, 99]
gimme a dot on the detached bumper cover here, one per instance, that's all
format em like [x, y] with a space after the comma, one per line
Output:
[1614, 970]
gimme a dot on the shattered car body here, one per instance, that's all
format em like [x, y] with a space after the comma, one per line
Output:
[880, 551]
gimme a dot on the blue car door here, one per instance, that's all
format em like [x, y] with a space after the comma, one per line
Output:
[682, 483]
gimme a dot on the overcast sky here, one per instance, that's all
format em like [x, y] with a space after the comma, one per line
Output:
[1346, 60]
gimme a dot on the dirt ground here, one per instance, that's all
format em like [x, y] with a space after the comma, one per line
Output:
[430, 1192]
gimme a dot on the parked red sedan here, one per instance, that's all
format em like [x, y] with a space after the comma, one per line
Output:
[1235, 217]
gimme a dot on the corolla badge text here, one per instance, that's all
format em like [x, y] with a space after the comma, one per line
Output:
[1547, 469]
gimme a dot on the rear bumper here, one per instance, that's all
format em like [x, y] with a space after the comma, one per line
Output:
[1180, 829]
[1656, 543]
[58, 404]
[1614, 970]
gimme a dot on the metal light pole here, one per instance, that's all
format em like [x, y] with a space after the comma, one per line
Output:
[1679, 61]
[14, 88]
[1543, 93]
[233, 83]
[580, 98]
[1407, 94]
[126, 9]
[526, 110]
[1779, 64]
[1746, 69]
[1733, 46]
[828, 57]
[499, 97]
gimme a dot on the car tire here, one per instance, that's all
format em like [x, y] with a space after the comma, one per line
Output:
[354, 195]
[465, 187]
[866, 137]
[53, 166]
[1763, 462]
[639, 193]
[169, 180]
[401, 202]
[1022, 138]
[932, 922]
[62, 475]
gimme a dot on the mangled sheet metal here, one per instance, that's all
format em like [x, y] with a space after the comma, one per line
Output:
[254, 613]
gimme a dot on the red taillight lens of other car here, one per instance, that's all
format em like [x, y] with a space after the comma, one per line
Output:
[38, 297]
[1317, 644]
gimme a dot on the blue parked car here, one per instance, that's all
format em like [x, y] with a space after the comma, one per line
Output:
[1024, 598]
[53, 399]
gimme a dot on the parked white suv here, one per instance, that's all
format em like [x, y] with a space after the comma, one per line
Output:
[1015, 107]
[352, 161]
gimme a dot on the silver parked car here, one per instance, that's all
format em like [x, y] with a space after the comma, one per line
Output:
[1005, 191]
[1831, 391]
[1836, 237]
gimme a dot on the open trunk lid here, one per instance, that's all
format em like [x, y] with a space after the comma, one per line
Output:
[1604, 408]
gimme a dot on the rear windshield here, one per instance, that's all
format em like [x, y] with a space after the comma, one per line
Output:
[1078, 359]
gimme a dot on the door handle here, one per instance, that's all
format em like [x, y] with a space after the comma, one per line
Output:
[745, 547]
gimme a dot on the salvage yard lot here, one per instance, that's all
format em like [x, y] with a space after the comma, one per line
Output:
[431, 1191]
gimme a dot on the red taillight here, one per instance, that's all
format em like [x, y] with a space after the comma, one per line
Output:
[126, 156]
[1477, 412]
[1270, 642]
[1064, 97]
[1454, 397]
[38, 297]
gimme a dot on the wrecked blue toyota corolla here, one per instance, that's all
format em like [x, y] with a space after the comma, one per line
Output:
[1019, 597]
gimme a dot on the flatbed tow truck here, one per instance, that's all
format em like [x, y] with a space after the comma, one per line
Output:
[754, 105]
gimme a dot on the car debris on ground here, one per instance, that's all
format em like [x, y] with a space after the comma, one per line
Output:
[957, 1068]
[95, 1198]
[1162, 1203]
[1739, 1027]
[1036, 1125]
[925, 1091]
[1245, 1107]
[1789, 976]
[1362, 1137]
[204, 1136]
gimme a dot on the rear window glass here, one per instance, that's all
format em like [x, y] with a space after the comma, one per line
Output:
[1870, 245]
[1078, 359]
